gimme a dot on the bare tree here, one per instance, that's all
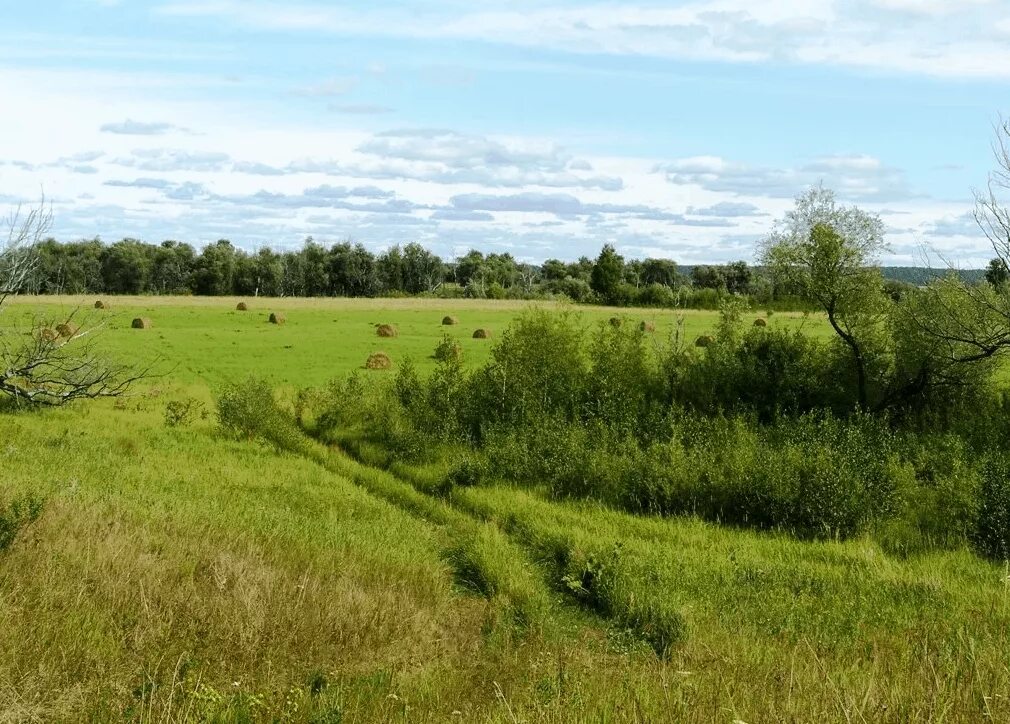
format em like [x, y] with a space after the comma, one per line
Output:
[54, 361]
[949, 334]
[19, 259]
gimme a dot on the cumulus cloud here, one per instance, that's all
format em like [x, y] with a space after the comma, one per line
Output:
[727, 209]
[853, 177]
[168, 159]
[967, 39]
[130, 127]
[566, 205]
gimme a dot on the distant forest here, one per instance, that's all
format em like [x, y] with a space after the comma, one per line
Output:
[350, 270]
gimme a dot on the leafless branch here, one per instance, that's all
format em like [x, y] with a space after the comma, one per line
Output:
[25, 228]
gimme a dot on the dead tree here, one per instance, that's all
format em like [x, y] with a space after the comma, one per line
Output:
[52, 361]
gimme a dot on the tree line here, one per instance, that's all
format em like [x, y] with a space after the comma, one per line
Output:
[345, 269]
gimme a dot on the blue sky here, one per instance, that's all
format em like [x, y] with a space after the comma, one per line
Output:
[545, 128]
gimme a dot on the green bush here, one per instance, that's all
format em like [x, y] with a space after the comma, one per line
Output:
[15, 516]
[249, 409]
[991, 536]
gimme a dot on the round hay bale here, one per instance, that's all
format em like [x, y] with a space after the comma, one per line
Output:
[378, 361]
[450, 320]
[760, 323]
[277, 318]
[614, 321]
[386, 330]
[482, 333]
[241, 307]
[101, 305]
[67, 330]
[647, 326]
[704, 340]
[141, 323]
[48, 335]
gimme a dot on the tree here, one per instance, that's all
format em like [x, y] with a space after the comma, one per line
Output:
[997, 273]
[830, 252]
[708, 277]
[52, 364]
[659, 271]
[126, 267]
[607, 274]
[958, 326]
[737, 275]
[172, 267]
[422, 270]
[214, 272]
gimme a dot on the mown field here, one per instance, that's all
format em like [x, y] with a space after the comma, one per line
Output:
[180, 574]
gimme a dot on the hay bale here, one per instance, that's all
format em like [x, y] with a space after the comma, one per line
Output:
[67, 330]
[647, 326]
[760, 323]
[141, 323]
[101, 305]
[704, 340]
[378, 361]
[450, 321]
[615, 321]
[482, 333]
[386, 330]
[277, 318]
[48, 335]
[241, 307]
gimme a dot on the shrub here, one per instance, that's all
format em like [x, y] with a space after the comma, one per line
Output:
[249, 409]
[183, 412]
[991, 536]
[448, 350]
[17, 515]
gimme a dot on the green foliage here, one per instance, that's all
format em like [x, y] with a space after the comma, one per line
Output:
[448, 350]
[184, 412]
[249, 409]
[607, 276]
[991, 536]
[16, 515]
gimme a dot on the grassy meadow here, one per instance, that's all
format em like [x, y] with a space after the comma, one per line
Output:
[180, 573]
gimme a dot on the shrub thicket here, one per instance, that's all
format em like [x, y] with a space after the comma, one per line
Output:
[758, 429]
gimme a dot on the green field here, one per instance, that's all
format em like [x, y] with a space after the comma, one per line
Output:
[179, 574]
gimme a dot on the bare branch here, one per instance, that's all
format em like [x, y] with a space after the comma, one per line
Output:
[26, 228]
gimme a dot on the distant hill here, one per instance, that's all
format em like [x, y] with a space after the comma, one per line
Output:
[922, 275]
[909, 274]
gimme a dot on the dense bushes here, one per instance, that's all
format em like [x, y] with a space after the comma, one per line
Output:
[759, 429]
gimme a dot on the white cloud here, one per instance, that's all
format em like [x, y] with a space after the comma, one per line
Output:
[889, 35]
[130, 127]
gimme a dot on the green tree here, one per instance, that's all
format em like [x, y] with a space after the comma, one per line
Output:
[997, 273]
[608, 273]
[214, 270]
[659, 271]
[830, 253]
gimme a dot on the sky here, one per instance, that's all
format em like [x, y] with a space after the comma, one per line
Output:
[544, 129]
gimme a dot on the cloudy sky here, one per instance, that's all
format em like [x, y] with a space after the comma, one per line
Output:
[675, 129]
